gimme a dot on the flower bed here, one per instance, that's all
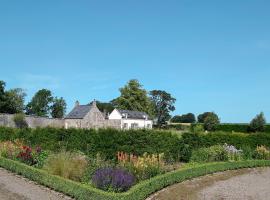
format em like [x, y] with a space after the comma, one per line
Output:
[137, 192]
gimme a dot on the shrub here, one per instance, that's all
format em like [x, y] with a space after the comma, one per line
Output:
[258, 123]
[233, 152]
[66, 164]
[19, 120]
[197, 128]
[211, 154]
[10, 149]
[262, 153]
[143, 167]
[211, 121]
[113, 179]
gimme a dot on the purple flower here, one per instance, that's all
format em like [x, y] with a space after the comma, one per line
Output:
[114, 179]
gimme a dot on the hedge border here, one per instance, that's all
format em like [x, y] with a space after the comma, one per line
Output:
[137, 192]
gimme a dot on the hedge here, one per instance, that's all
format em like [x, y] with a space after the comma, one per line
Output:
[138, 192]
[244, 128]
[105, 141]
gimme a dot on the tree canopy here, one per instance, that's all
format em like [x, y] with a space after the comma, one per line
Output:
[186, 118]
[163, 104]
[133, 97]
[258, 123]
[11, 101]
[40, 104]
[58, 108]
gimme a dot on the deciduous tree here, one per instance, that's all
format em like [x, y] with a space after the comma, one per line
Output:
[163, 104]
[58, 108]
[40, 103]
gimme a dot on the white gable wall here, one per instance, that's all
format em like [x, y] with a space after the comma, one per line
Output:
[115, 115]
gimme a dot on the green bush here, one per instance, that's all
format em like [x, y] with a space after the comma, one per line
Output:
[107, 142]
[210, 154]
[19, 120]
[193, 141]
[138, 192]
[67, 165]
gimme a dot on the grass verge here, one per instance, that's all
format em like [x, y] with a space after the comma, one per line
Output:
[137, 192]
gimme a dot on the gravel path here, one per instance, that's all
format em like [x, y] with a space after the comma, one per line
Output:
[244, 184]
[13, 187]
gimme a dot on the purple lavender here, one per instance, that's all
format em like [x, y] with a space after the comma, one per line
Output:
[115, 179]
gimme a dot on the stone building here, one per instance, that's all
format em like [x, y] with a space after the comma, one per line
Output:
[86, 116]
[89, 116]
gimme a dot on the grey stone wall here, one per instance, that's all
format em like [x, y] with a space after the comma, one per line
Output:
[32, 121]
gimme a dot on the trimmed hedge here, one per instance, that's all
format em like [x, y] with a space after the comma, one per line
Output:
[105, 141]
[138, 192]
[244, 128]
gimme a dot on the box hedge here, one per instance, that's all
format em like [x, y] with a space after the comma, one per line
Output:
[137, 192]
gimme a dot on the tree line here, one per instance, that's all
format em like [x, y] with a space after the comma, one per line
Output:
[156, 103]
[43, 103]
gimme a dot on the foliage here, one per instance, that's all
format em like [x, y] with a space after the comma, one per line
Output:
[262, 152]
[10, 149]
[66, 164]
[186, 118]
[197, 128]
[113, 179]
[143, 167]
[139, 192]
[105, 107]
[107, 142]
[133, 97]
[234, 154]
[40, 103]
[211, 122]
[32, 157]
[15, 100]
[244, 128]
[58, 108]
[163, 104]
[210, 154]
[19, 120]
[11, 101]
[258, 123]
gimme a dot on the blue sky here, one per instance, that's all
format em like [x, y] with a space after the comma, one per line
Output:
[210, 55]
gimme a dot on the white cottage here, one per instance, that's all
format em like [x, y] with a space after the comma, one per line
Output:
[131, 119]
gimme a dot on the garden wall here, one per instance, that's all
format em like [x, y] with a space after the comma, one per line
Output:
[32, 121]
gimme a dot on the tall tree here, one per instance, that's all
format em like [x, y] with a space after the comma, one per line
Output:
[163, 105]
[15, 100]
[258, 123]
[58, 108]
[40, 103]
[133, 97]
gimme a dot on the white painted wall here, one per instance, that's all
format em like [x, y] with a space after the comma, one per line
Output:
[141, 123]
[115, 115]
[127, 123]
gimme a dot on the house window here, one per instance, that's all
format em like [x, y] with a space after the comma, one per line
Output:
[134, 125]
[125, 126]
[148, 125]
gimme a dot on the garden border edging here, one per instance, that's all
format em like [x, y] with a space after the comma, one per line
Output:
[138, 192]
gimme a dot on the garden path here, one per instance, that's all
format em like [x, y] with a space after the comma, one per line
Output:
[14, 187]
[243, 184]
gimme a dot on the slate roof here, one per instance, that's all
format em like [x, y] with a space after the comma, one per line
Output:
[78, 112]
[133, 114]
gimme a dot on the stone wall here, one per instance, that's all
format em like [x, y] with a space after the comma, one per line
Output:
[32, 121]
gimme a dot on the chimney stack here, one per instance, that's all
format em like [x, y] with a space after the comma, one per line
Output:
[77, 103]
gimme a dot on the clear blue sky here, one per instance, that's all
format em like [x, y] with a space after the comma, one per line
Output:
[210, 55]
